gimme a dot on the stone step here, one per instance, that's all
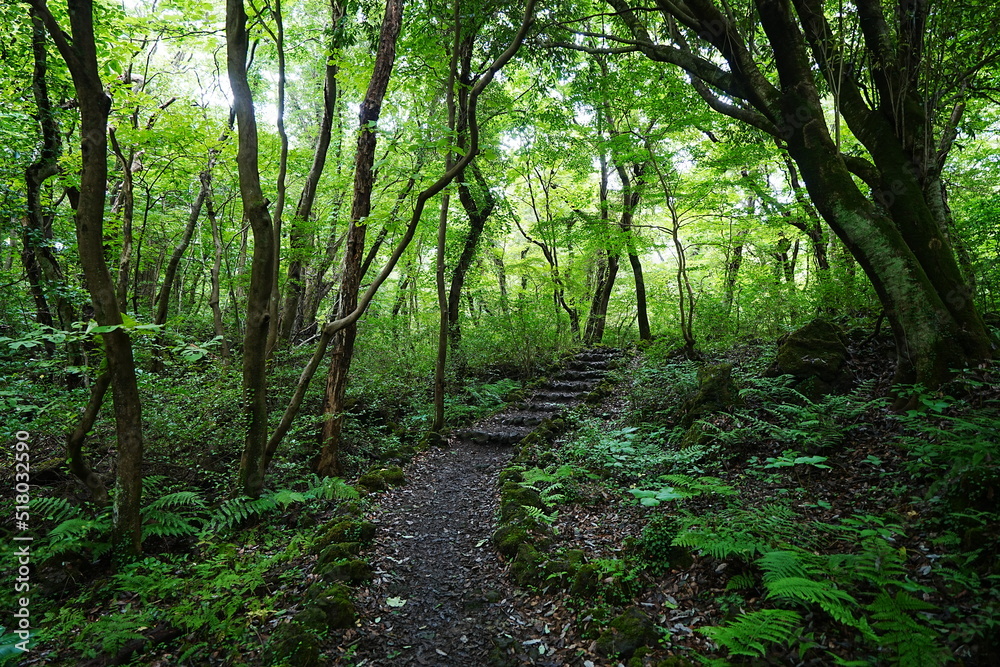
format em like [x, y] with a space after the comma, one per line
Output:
[589, 374]
[570, 386]
[526, 418]
[562, 397]
[494, 435]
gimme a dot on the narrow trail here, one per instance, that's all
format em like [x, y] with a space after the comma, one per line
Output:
[433, 554]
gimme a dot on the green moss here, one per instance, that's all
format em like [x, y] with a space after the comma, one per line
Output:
[514, 498]
[290, 645]
[586, 583]
[627, 633]
[716, 391]
[350, 571]
[336, 604]
[338, 551]
[508, 538]
[814, 354]
[526, 568]
[346, 530]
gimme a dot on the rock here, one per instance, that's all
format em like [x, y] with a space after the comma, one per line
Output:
[816, 356]
[335, 603]
[291, 644]
[586, 582]
[514, 498]
[716, 391]
[526, 567]
[338, 551]
[381, 480]
[349, 571]
[627, 633]
[347, 530]
[507, 539]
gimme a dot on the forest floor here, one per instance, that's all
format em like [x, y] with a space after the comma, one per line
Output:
[443, 596]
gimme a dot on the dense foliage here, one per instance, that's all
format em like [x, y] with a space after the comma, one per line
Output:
[196, 221]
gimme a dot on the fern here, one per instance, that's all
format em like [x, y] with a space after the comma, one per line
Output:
[235, 511]
[751, 633]
[833, 601]
[740, 582]
[331, 488]
[54, 509]
[782, 564]
[739, 532]
[914, 644]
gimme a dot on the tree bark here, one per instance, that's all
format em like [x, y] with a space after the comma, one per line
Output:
[350, 281]
[213, 299]
[74, 442]
[40, 262]
[251, 473]
[79, 50]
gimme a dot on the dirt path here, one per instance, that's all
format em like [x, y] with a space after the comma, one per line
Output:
[440, 595]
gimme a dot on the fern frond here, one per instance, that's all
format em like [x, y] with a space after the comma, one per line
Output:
[781, 564]
[833, 601]
[740, 582]
[54, 509]
[178, 499]
[332, 488]
[751, 633]
[915, 644]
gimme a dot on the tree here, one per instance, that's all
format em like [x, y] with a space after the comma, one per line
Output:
[79, 50]
[769, 83]
[251, 474]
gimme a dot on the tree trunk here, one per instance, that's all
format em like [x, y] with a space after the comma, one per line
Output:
[124, 205]
[213, 300]
[251, 473]
[74, 442]
[80, 53]
[40, 263]
[303, 211]
[340, 361]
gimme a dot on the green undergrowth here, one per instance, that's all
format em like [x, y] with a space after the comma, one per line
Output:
[839, 532]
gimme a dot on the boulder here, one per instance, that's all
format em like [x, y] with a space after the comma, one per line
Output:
[630, 631]
[716, 391]
[816, 356]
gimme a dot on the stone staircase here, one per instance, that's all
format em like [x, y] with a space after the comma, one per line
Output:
[567, 388]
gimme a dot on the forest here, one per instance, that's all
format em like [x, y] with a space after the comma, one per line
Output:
[461, 332]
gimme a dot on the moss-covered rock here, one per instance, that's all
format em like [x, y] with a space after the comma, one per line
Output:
[335, 603]
[345, 530]
[508, 538]
[350, 571]
[586, 582]
[526, 567]
[383, 479]
[628, 632]
[514, 498]
[716, 391]
[291, 645]
[816, 356]
[338, 551]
